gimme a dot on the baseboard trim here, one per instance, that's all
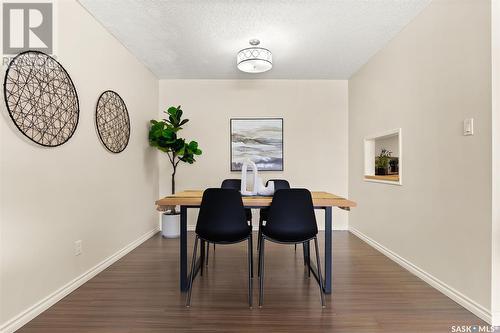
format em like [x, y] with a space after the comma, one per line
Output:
[30, 313]
[452, 293]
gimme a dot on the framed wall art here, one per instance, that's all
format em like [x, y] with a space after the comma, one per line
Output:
[258, 139]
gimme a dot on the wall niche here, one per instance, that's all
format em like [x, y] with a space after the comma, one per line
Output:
[383, 153]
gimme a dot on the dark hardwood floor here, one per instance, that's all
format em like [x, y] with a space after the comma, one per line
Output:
[140, 293]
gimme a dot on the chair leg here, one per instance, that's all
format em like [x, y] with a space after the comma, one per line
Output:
[202, 255]
[259, 241]
[251, 248]
[259, 245]
[191, 276]
[295, 247]
[308, 249]
[304, 253]
[258, 262]
[261, 271]
[214, 253]
[258, 236]
[208, 252]
[250, 272]
[319, 273]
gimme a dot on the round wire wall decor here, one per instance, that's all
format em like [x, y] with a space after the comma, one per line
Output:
[112, 121]
[41, 98]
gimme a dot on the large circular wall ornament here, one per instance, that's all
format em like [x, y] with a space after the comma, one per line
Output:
[41, 98]
[112, 121]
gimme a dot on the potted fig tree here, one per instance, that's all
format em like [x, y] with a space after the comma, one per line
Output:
[164, 135]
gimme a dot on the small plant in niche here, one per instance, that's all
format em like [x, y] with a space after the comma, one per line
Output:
[164, 135]
[382, 162]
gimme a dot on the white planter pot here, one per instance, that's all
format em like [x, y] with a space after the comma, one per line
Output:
[170, 225]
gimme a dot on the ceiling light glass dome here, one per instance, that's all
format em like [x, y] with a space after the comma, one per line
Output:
[254, 59]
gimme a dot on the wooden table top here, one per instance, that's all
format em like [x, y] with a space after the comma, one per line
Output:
[193, 198]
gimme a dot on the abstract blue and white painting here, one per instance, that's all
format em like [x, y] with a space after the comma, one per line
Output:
[260, 140]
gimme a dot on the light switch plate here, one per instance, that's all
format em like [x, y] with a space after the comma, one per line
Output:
[469, 126]
[78, 247]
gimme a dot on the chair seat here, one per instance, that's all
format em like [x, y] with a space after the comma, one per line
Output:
[287, 236]
[229, 236]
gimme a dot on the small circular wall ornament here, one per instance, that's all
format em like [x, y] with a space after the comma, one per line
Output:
[112, 121]
[41, 98]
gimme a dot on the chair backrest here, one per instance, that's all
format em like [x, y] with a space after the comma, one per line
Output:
[279, 184]
[291, 216]
[222, 216]
[234, 184]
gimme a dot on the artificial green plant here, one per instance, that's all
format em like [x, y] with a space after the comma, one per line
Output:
[383, 159]
[164, 135]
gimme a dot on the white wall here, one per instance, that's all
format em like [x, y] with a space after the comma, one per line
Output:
[315, 131]
[52, 197]
[495, 51]
[427, 80]
[391, 143]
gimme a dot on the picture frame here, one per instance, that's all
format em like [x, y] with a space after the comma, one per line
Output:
[259, 139]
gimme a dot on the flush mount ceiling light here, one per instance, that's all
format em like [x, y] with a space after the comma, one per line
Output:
[254, 59]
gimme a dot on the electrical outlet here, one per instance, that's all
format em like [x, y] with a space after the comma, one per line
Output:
[78, 247]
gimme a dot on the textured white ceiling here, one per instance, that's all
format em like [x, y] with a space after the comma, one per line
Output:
[199, 39]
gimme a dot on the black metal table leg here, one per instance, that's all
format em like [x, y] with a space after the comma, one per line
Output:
[328, 251]
[184, 284]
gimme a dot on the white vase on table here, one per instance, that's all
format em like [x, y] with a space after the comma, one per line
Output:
[244, 168]
[258, 184]
[265, 190]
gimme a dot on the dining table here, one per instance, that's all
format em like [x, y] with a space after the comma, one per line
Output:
[192, 199]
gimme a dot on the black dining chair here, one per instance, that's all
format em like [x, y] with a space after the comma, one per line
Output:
[290, 220]
[279, 184]
[234, 184]
[221, 220]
